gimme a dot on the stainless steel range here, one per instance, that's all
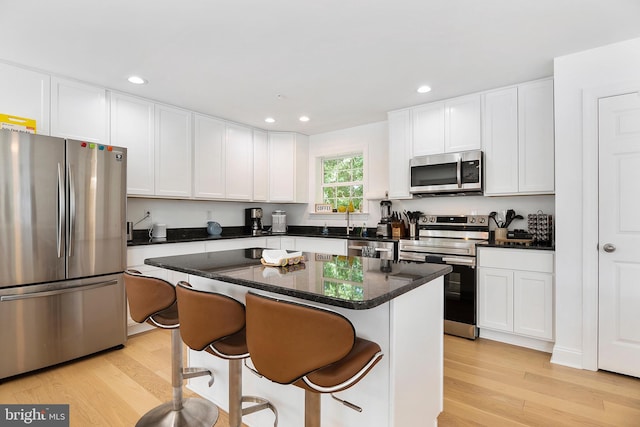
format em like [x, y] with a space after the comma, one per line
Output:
[452, 240]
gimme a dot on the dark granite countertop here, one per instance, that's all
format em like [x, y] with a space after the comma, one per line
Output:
[509, 245]
[351, 282]
[180, 235]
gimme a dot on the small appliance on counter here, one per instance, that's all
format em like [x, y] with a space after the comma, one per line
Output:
[158, 231]
[253, 221]
[213, 228]
[129, 231]
[384, 226]
[279, 222]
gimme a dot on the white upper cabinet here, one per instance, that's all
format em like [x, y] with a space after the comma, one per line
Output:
[536, 137]
[79, 111]
[501, 141]
[260, 165]
[209, 158]
[132, 126]
[447, 127]
[399, 154]
[239, 162]
[25, 93]
[288, 167]
[428, 129]
[519, 139]
[173, 175]
[463, 124]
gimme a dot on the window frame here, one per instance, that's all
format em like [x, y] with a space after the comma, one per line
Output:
[361, 183]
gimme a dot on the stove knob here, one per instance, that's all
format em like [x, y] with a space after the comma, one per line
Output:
[424, 219]
[432, 219]
[481, 220]
[472, 220]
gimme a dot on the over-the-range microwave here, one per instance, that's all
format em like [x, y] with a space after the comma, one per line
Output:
[447, 173]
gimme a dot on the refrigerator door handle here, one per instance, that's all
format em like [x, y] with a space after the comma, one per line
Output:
[15, 297]
[72, 208]
[61, 207]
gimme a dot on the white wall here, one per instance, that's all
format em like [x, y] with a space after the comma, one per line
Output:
[579, 79]
[194, 213]
[371, 140]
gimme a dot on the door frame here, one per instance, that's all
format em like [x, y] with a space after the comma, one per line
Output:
[590, 210]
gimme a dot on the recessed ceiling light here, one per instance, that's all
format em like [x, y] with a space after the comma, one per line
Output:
[270, 120]
[304, 118]
[136, 80]
[424, 89]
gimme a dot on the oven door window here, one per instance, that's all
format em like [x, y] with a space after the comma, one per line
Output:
[460, 295]
[440, 174]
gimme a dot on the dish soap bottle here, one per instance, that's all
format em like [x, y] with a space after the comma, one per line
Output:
[363, 230]
[325, 229]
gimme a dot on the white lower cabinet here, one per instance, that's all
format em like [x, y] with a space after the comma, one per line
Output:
[515, 294]
[230, 244]
[321, 245]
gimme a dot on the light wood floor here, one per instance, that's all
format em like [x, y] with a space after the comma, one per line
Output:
[486, 384]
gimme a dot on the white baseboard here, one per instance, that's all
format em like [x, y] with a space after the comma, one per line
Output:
[567, 357]
[518, 340]
[137, 328]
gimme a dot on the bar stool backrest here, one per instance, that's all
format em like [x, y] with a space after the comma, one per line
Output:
[147, 295]
[206, 317]
[287, 340]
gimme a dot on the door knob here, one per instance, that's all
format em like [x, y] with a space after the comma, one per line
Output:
[608, 247]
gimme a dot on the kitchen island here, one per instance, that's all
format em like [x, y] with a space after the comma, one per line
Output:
[397, 305]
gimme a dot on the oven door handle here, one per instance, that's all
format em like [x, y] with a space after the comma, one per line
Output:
[459, 261]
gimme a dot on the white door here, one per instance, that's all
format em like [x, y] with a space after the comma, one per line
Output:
[619, 234]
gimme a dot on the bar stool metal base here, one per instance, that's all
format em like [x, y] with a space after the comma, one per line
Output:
[195, 412]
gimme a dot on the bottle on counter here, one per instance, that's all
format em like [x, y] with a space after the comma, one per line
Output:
[363, 230]
[325, 229]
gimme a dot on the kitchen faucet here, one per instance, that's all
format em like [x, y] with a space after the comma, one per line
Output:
[349, 228]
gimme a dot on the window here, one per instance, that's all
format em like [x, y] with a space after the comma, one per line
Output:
[342, 182]
[343, 278]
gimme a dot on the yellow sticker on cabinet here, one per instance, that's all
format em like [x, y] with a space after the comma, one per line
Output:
[21, 124]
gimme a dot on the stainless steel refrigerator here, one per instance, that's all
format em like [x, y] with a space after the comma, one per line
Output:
[62, 250]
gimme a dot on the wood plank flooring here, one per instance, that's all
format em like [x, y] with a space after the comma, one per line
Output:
[486, 383]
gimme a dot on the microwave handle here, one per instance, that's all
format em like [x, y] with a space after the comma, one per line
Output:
[459, 172]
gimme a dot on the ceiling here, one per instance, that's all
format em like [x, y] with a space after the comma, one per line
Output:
[343, 63]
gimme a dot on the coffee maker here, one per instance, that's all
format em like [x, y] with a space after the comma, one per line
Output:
[253, 221]
[384, 226]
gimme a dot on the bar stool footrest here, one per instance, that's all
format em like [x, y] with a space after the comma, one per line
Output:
[260, 403]
[197, 372]
[347, 403]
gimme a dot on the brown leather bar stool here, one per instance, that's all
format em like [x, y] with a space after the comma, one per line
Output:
[309, 347]
[153, 300]
[216, 323]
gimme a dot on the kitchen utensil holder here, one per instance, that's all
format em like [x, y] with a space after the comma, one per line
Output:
[500, 234]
